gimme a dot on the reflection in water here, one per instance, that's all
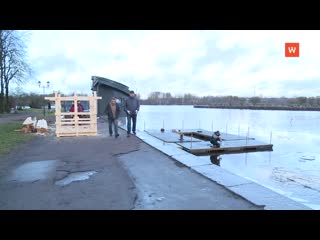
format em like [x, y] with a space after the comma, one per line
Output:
[215, 159]
[246, 159]
[33, 171]
[78, 176]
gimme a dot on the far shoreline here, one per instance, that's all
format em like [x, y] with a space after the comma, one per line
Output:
[283, 108]
[280, 108]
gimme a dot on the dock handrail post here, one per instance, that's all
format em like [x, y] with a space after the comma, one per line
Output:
[181, 136]
[247, 138]
[191, 141]
[227, 127]
[212, 125]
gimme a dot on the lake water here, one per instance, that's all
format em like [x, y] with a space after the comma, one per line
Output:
[291, 169]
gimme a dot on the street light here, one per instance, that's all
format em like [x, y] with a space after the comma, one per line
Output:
[44, 87]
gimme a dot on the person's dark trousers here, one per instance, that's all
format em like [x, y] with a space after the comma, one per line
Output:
[134, 121]
[115, 125]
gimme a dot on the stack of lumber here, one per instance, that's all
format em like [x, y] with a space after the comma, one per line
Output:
[33, 126]
[42, 126]
[28, 126]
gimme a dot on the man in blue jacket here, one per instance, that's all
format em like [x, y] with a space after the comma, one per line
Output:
[131, 107]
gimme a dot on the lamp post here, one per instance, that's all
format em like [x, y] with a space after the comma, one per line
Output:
[44, 87]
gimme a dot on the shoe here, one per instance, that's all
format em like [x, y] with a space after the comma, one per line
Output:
[128, 135]
[110, 135]
[117, 135]
[134, 133]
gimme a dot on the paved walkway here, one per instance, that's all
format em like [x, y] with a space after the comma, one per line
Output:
[104, 173]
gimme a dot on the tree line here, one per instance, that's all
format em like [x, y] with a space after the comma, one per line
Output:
[14, 66]
[19, 99]
[161, 98]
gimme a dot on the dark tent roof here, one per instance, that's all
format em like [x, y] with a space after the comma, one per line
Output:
[105, 81]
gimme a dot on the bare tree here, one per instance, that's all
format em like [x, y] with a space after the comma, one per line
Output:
[3, 37]
[13, 64]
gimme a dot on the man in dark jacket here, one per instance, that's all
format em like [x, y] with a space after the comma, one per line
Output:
[131, 107]
[49, 106]
[113, 111]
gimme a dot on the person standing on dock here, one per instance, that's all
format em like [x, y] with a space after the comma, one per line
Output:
[113, 111]
[216, 139]
[131, 107]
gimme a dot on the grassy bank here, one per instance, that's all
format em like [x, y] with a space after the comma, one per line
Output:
[34, 112]
[38, 112]
[10, 139]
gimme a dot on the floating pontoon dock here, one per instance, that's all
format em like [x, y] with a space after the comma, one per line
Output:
[196, 141]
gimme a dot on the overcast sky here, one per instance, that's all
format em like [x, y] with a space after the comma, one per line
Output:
[241, 63]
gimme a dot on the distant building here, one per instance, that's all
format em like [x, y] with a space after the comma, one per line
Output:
[107, 89]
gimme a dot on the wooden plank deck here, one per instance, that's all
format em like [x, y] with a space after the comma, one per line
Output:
[206, 135]
[82, 130]
[169, 136]
[196, 141]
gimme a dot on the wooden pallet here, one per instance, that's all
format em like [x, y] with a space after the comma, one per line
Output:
[76, 123]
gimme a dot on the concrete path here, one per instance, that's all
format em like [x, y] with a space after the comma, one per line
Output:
[30, 178]
[166, 184]
[104, 173]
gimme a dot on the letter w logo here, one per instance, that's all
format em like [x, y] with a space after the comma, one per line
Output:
[292, 50]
